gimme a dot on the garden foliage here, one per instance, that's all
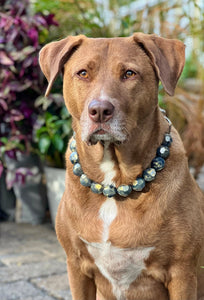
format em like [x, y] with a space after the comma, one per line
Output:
[21, 81]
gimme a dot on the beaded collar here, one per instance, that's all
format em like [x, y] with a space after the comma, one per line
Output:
[138, 184]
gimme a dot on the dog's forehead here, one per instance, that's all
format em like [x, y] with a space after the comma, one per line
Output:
[104, 46]
[111, 50]
[100, 42]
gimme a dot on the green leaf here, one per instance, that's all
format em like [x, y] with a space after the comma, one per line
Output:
[59, 123]
[51, 119]
[28, 50]
[42, 101]
[58, 142]
[67, 127]
[48, 115]
[43, 35]
[2, 150]
[41, 131]
[4, 140]
[44, 143]
[64, 113]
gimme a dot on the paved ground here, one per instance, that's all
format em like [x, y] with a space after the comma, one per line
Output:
[32, 263]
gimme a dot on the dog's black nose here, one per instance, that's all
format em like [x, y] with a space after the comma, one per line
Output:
[100, 111]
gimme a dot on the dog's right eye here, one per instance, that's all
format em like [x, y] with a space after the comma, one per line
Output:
[83, 74]
[129, 74]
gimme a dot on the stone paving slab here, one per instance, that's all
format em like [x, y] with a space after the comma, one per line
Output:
[24, 238]
[56, 285]
[21, 290]
[32, 263]
[23, 258]
[28, 271]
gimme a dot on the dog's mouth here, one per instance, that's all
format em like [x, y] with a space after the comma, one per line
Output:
[102, 135]
[100, 132]
[112, 133]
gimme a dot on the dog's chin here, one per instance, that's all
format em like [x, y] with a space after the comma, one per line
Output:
[102, 138]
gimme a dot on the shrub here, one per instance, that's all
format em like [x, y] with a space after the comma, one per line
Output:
[21, 37]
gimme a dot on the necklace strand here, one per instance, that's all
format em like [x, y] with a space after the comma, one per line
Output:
[148, 175]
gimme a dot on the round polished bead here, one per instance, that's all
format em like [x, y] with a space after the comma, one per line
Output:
[96, 188]
[149, 174]
[167, 140]
[163, 151]
[138, 184]
[84, 180]
[77, 170]
[124, 190]
[73, 145]
[158, 163]
[109, 191]
[74, 158]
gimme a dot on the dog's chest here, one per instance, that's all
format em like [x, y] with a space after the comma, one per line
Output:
[121, 266]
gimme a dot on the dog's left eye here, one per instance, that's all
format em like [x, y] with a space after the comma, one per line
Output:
[129, 74]
[83, 74]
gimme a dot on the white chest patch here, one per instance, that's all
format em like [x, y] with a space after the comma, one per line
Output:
[107, 213]
[120, 266]
[108, 210]
[107, 167]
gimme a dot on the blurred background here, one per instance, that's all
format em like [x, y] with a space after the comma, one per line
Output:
[34, 130]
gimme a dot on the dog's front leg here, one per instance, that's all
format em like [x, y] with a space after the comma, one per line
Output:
[183, 284]
[82, 287]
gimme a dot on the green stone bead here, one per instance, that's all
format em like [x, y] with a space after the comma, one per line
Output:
[109, 191]
[138, 184]
[73, 146]
[167, 140]
[74, 158]
[124, 190]
[84, 180]
[149, 174]
[158, 163]
[163, 151]
[96, 188]
[77, 170]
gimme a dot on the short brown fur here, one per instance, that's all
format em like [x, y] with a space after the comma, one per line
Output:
[169, 214]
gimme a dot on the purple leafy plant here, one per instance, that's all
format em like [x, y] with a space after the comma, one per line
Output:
[21, 82]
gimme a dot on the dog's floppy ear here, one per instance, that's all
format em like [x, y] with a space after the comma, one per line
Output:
[53, 56]
[167, 56]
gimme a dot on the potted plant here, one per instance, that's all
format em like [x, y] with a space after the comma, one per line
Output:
[52, 132]
[21, 38]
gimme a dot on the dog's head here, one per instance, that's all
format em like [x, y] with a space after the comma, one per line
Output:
[110, 85]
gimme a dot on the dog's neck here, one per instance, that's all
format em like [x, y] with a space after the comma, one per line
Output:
[129, 158]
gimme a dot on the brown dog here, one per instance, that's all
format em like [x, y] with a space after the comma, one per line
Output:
[148, 245]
